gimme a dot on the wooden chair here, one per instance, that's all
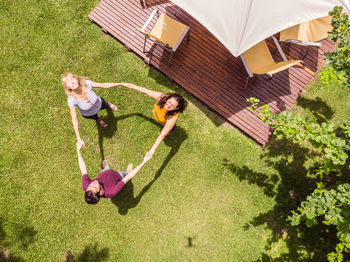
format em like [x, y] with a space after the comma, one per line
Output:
[258, 61]
[166, 32]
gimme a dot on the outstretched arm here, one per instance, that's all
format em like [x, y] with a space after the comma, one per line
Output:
[81, 162]
[143, 90]
[165, 131]
[133, 172]
[73, 114]
[105, 85]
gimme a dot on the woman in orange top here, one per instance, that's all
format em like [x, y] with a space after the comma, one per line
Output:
[166, 111]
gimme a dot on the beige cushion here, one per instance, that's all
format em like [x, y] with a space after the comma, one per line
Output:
[260, 61]
[310, 31]
[167, 30]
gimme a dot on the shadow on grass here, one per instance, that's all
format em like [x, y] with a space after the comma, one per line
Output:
[90, 253]
[292, 187]
[260, 179]
[24, 237]
[190, 242]
[3, 242]
[112, 127]
[319, 108]
[106, 132]
[4, 245]
[125, 200]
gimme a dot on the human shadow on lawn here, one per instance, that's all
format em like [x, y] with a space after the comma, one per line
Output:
[112, 122]
[125, 199]
[108, 131]
[288, 190]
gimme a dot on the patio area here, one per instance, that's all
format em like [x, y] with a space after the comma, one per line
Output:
[205, 68]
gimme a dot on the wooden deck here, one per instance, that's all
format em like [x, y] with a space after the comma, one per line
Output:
[203, 66]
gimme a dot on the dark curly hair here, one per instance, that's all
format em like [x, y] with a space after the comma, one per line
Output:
[182, 103]
[92, 198]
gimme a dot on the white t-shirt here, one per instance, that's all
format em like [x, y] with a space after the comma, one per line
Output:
[90, 107]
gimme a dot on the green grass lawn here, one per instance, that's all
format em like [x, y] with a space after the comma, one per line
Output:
[208, 194]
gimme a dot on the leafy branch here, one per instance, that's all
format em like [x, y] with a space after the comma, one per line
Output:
[326, 203]
[321, 137]
[338, 61]
[331, 204]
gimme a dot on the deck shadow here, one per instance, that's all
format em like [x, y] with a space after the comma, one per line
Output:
[305, 53]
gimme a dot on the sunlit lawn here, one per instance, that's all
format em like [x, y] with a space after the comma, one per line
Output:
[209, 193]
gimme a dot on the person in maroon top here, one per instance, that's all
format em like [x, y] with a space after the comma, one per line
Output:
[108, 183]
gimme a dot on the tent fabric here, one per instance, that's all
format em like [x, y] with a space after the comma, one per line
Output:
[240, 24]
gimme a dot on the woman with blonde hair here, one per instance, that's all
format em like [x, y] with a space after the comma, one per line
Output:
[80, 94]
[166, 111]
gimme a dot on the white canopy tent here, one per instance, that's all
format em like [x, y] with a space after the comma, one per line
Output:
[240, 24]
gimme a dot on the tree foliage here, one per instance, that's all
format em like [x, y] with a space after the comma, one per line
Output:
[333, 205]
[330, 204]
[338, 61]
[333, 149]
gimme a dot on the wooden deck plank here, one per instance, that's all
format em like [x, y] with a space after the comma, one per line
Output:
[209, 60]
[184, 72]
[204, 68]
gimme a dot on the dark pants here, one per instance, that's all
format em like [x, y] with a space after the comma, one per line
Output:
[104, 105]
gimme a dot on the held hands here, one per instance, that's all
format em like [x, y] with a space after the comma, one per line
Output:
[149, 155]
[118, 84]
[128, 85]
[80, 144]
[147, 158]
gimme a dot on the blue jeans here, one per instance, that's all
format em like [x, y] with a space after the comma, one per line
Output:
[121, 173]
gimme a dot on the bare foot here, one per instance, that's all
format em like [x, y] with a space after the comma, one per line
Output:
[101, 123]
[129, 168]
[113, 107]
[105, 164]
